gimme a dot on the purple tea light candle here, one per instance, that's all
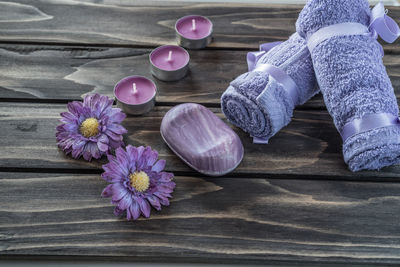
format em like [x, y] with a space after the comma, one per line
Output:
[193, 31]
[135, 95]
[169, 62]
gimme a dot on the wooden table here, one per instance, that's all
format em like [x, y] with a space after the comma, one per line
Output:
[292, 201]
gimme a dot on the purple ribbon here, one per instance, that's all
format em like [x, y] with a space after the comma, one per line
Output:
[276, 73]
[383, 25]
[259, 140]
[254, 57]
[283, 78]
[380, 25]
[368, 122]
[340, 29]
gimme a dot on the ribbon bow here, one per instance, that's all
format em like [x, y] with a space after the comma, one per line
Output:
[383, 25]
[380, 25]
[254, 57]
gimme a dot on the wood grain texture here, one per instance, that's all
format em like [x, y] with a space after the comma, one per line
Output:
[111, 22]
[288, 203]
[235, 25]
[209, 220]
[309, 147]
[66, 73]
[43, 72]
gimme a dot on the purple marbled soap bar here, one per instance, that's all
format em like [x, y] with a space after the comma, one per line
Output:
[201, 139]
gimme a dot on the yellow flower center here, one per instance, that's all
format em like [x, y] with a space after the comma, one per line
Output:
[89, 127]
[140, 181]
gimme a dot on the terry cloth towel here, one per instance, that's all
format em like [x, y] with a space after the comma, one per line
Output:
[261, 105]
[353, 81]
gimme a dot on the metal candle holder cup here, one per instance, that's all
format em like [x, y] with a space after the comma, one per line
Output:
[193, 43]
[168, 75]
[135, 109]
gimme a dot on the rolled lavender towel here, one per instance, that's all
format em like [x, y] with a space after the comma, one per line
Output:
[261, 105]
[356, 88]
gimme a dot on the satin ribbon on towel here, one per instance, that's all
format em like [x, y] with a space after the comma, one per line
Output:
[368, 122]
[380, 25]
[276, 73]
[254, 57]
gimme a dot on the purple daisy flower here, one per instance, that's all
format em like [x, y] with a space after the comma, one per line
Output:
[90, 128]
[137, 181]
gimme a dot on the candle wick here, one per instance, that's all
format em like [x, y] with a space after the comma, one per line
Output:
[169, 56]
[134, 88]
[193, 24]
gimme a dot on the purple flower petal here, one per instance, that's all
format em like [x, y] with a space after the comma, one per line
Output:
[165, 189]
[166, 177]
[111, 177]
[118, 171]
[116, 116]
[68, 117]
[103, 104]
[91, 101]
[144, 207]
[93, 149]
[129, 215]
[117, 211]
[159, 166]
[107, 192]
[118, 192]
[86, 154]
[147, 153]
[71, 127]
[78, 144]
[75, 108]
[163, 198]
[116, 128]
[113, 136]
[154, 202]
[141, 161]
[66, 143]
[122, 157]
[140, 151]
[76, 153]
[125, 202]
[135, 210]
[115, 166]
[164, 201]
[151, 156]
[132, 153]
[115, 144]
[102, 143]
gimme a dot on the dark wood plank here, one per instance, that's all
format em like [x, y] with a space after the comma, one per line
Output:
[44, 72]
[111, 22]
[254, 221]
[64, 73]
[235, 25]
[309, 147]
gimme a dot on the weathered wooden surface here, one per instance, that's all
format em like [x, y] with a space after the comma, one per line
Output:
[115, 23]
[292, 202]
[309, 147]
[42, 72]
[235, 26]
[66, 73]
[209, 220]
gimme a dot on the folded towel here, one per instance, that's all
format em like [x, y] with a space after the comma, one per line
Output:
[353, 80]
[261, 105]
